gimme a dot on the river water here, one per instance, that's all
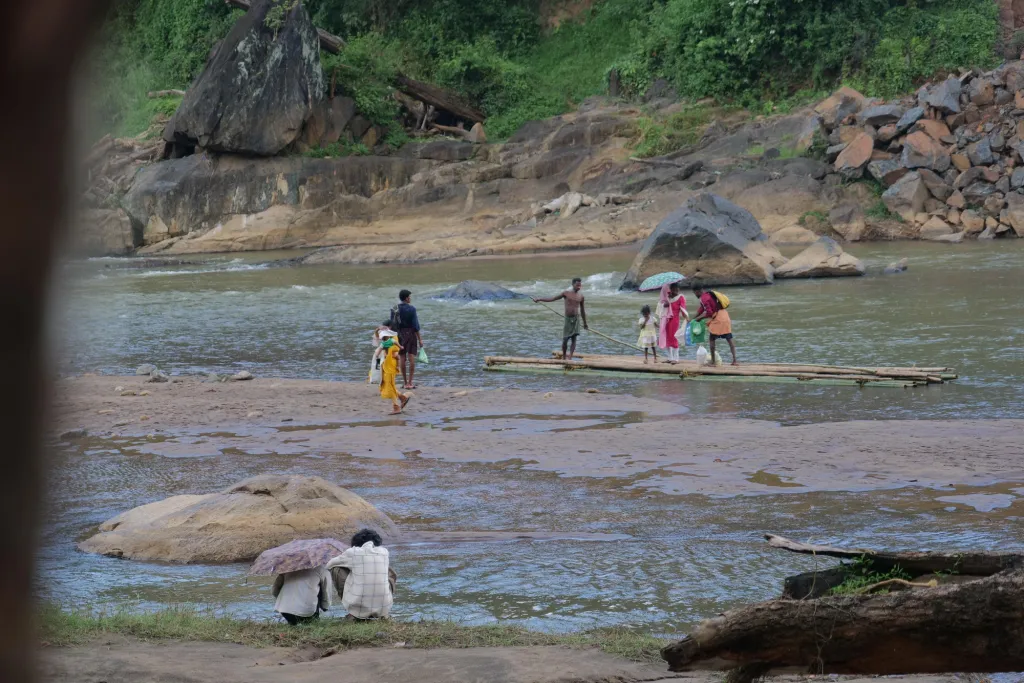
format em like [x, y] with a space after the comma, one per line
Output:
[687, 557]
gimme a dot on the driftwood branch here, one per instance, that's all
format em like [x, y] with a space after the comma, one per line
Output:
[154, 94]
[970, 563]
[430, 94]
[977, 626]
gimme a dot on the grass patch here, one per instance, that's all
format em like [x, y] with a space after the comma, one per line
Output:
[337, 149]
[812, 216]
[186, 623]
[861, 574]
[881, 212]
[658, 135]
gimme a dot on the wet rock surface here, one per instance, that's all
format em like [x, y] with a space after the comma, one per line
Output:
[824, 258]
[712, 240]
[475, 290]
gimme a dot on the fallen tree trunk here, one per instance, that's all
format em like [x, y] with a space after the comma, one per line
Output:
[970, 563]
[431, 94]
[155, 94]
[969, 627]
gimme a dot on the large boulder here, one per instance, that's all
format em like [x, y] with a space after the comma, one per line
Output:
[475, 290]
[712, 241]
[944, 96]
[241, 203]
[238, 523]
[921, 151]
[1015, 211]
[855, 157]
[907, 196]
[258, 88]
[824, 258]
[839, 105]
[102, 232]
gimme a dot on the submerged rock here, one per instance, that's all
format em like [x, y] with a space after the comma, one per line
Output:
[897, 267]
[712, 241]
[475, 290]
[824, 258]
[258, 89]
[238, 523]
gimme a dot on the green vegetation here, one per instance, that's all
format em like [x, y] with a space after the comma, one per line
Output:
[812, 217]
[338, 149]
[62, 628]
[511, 61]
[880, 211]
[861, 574]
[659, 135]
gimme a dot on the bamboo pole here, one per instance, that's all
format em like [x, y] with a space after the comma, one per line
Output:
[590, 329]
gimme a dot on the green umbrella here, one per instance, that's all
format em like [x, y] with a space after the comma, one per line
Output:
[660, 280]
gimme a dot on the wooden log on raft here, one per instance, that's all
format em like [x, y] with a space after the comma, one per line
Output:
[976, 626]
[971, 563]
[691, 369]
[431, 94]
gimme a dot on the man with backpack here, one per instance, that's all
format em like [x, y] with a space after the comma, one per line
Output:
[712, 308]
[407, 324]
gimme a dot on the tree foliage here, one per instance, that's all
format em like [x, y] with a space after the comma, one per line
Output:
[500, 56]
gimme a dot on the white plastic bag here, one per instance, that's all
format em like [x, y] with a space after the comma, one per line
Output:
[702, 355]
[374, 376]
[718, 358]
[681, 335]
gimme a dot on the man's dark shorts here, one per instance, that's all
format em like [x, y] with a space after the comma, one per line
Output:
[722, 336]
[408, 341]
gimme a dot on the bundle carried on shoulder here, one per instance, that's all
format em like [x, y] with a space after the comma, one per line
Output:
[722, 299]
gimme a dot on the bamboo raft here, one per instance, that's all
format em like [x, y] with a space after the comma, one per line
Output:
[633, 366]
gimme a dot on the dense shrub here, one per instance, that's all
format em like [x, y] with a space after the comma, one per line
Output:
[744, 48]
[496, 54]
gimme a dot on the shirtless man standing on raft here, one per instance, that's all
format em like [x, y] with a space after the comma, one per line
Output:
[575, 315]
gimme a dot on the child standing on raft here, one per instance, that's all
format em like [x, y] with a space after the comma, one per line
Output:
[389, 372]
[648, 340]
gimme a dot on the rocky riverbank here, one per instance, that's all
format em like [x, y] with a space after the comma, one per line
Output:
[237, 175]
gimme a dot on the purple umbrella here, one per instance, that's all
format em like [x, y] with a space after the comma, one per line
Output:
[297, 555]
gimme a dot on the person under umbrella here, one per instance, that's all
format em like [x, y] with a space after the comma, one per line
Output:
[302, 595]
[303, 585]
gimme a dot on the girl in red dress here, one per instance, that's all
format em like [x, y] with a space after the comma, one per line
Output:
[672, 307]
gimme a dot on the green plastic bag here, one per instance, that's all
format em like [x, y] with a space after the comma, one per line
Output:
[698, 332]
[421, 357]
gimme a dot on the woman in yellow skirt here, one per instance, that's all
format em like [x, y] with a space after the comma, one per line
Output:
[389, 371]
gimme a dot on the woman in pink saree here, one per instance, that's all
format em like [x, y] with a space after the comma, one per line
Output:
[672, 306]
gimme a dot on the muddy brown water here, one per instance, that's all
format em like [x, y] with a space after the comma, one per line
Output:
[682, 558]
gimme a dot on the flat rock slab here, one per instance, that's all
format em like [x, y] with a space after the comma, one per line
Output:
[129, 662]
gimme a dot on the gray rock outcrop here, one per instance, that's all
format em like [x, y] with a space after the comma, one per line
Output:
[103, 232]
[197, 194]
[712, 241]
[824, 258]
[258, 89]
[238, 523]
[475, 290]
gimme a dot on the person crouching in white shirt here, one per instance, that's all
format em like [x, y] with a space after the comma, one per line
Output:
[364, 578]
[303, 594]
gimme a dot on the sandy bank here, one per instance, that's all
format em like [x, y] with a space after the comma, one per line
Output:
[637, 443]
[129, 660]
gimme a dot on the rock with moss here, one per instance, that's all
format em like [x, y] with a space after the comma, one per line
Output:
[258, 88]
